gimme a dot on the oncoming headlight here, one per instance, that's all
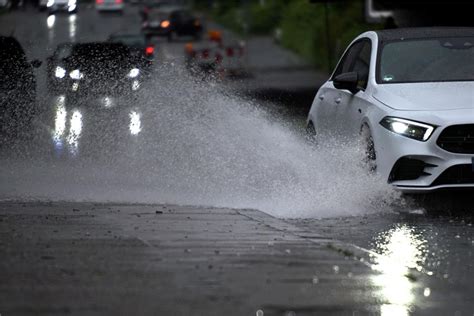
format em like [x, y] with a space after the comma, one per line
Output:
[76, 74]
[60, 72]
[134, 73]
[407, 128]
[50, 3]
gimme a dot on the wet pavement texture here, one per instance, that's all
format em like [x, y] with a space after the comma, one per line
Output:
[438, 245]
[105, 259]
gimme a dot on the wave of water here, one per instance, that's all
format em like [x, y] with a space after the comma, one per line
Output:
[197, 145]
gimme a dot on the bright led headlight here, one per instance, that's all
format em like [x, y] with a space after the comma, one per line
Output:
[76, 74]
[60, 72]
[134, 73]
[50, 3]
[71, 5]
[407, 128]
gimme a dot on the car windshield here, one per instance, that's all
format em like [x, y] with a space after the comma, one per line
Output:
[158, 15]
[427, 60]
[96, 53]
[11, 52]
[129, 40]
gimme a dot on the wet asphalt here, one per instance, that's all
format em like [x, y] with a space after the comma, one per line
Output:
[108, 259]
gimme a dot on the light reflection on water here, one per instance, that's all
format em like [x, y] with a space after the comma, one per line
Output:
[75, 131]
[50, 21]
[60, 120]
[135, 123]
[400, 250]
[68, 126]
[60, 127]
[72, 27]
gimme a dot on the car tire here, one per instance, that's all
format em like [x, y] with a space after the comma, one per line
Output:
[368, 145]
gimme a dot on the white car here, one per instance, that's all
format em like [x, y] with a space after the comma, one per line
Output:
[54, 6]
[109, 5]
[409, 93]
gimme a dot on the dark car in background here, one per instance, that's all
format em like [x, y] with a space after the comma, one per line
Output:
[17, 86]
[140, 48]
[170, 21]
[94, 69]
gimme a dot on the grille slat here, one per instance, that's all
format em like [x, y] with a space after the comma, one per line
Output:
[459, 174]
[457, 139]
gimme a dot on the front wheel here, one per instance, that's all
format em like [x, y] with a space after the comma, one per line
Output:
[369, 148]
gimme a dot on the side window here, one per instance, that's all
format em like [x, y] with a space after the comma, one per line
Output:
[357, 59]
[347, 61]
[362, 64]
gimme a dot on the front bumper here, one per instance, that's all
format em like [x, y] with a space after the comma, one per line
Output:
[440, 167]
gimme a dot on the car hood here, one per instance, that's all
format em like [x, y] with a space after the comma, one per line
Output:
[431, 96]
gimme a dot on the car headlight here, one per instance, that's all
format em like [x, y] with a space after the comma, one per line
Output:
[76, 74]
[134, 73]
[60, 72]
[50, 3]
[407, 128]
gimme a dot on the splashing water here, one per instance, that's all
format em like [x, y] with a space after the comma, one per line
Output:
[193, 143]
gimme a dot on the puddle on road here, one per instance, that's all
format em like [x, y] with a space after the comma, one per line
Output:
[185, 142]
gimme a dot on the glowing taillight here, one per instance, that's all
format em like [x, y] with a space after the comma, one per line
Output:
[118, 1]
[99, 1]
[149, 50]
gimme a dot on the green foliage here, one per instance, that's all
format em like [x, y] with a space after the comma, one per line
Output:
[263, 19]
[304, 29]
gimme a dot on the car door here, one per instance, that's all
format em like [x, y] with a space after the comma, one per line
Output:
[349, 106]
[331, 99]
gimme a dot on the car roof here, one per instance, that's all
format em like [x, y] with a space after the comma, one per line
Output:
[423, 32]
[10, 42]
[100, 50]
[99, 45]
[11, 48]
[122, 35]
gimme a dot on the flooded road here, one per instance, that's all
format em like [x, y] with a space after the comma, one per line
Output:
[189, 142]
[176, 139]
[438, 246]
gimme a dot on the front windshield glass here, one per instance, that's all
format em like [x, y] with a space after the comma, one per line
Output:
[427, 60]
[129, 40]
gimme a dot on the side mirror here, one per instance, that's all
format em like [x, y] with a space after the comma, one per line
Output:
[36, 63]
[347, 81]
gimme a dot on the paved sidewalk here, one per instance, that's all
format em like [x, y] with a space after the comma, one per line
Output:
[101, 259]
